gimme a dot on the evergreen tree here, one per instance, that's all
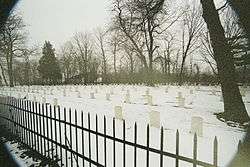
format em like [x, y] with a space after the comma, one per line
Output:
[48, 67]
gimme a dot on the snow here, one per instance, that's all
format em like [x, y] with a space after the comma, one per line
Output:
[18, 155]
[199, 101]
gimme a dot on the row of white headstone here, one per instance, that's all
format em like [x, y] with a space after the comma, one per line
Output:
[155, 120]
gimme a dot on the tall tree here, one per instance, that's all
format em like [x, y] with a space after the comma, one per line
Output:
[142, 22]
[49, 68]
[101, 35]
[234, 108]
[84, 50]
[12, 43]
[192, 26]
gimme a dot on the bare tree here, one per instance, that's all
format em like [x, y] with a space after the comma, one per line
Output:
[84, 51]
[164, 56]
[115, 43]
[101, 35]
[68, 60]
[192, 25]
[142, 22]
[12, 43]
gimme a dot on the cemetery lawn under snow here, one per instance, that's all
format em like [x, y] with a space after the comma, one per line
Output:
[136, 105]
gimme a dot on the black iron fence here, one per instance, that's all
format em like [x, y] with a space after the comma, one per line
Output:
[47, 130]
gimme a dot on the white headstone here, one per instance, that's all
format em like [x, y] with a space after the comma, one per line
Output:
[111, 91]
[108, 96]
[43, 100]
[127, 98]
[19, 96]
[179, 95]
[166, 90]
[197, 126]
[96, 90]
[147, 92]
[92, 95]
[55, 102]
[78, 94]
[181, 102]
[154, 117]
[64, 92]
[118, 112]
[150, 100]
[191, 91]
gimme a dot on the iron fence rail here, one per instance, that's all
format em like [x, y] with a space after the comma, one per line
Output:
[27, 119]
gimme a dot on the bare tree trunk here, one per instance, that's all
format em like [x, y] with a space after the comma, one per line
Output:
[234, 108]
[3, 75]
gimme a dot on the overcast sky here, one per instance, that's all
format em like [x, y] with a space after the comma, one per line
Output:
[58, 20]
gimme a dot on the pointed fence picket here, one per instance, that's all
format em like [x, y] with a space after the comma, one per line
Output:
[41, 127]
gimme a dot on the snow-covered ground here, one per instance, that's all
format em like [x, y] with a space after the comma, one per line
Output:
[201, 101]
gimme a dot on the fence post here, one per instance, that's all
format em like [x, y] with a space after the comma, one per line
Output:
[161, 148]
[114, 142]
[135, 142]
[89, 139]
[55, 127]
[147, 163]
[43, 129]
[37, 129]
[70, 137]
[177, 149]
[82, 138]
[60, 134]
[105, 143]
[34, 125]
[195, 151]
[96, 129]
[76, 137]
[124, 146]
[215, 151]
[65, 137]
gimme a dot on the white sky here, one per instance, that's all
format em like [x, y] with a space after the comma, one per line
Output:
[58, 20]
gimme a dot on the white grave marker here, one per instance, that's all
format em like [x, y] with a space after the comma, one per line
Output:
[111, 91]
[147, 92]
[78, 94]
[118, 112]
[92, 95]
[150, 100]
[154, 117]
[197, 126]
[180, 100]
[108, 96]
[127, 98]
[64, 92]
[166, 90]
[55, 102]
[43, 100]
